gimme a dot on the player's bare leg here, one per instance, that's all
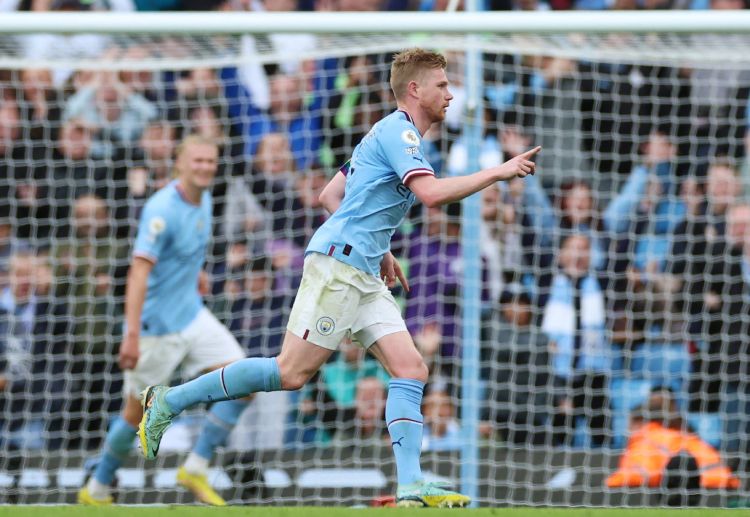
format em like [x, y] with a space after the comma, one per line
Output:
[298, 361]
[401, 359]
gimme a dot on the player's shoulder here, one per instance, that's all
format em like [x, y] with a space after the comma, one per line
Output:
[163, 201]
[399, 119]
[398, 126]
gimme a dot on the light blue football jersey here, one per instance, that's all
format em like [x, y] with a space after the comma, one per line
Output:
[174, 234]
[376, 197]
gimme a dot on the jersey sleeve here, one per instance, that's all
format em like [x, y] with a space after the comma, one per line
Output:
[402, 147]
[153, 233]
[344, 169]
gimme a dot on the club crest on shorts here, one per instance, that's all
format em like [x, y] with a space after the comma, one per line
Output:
[325, 326]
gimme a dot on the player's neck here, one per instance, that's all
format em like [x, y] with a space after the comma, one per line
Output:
[418, 118]
[189, 193]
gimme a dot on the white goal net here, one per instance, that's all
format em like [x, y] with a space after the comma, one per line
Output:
[615, 296]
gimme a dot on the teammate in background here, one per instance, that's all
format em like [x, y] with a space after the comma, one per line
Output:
[167, 326]
[342, 290]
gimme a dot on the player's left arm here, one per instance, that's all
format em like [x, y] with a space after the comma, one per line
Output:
[333, 193]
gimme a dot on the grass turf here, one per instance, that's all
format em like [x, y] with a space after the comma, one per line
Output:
[200, 511]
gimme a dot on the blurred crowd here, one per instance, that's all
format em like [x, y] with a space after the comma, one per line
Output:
[629, 271]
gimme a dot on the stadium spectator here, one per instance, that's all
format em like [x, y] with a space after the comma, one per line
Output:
[640, 222]
[297, 214]
[251, 78]
[612, 142]
[442, 431]
[647, 208]
[356, 104]
[246, 220]
[142, 82]
[51, 47]
[720, 364]
[528, 239]
[40, 106]
[330, 401]
[256, 203]
[432, 305]
[662, 452]
[703, 226]
[369, 410]
[33, 346]
[8, 244]
[71, 172]
[19, 187]
[516, 366]
[718, 99]
[582, 357]
[292, 113]
[207, 120]
[497, 232]
[198, 87]
[258, 313]
[89, 268]
[116, 113]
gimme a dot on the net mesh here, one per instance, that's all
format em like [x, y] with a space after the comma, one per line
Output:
[615, 282]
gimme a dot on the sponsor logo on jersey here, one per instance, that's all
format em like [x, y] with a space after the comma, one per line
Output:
[411, 151]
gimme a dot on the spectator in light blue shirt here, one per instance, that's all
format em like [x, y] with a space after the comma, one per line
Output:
[117, 114]
[645, 212]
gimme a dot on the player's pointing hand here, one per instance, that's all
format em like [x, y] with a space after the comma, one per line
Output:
[519, 166]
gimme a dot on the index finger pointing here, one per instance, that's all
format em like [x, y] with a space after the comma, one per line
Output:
[531, 152]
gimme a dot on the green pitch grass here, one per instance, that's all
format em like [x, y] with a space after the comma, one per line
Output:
[199, 511]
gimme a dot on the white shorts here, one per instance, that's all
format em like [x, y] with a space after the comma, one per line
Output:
[336, 300]
[203, 344]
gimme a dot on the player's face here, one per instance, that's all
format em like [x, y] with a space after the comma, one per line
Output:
[434, 95]
[197, 165]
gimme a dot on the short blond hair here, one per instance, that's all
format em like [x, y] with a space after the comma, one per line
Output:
[409, 65]
[191, 139]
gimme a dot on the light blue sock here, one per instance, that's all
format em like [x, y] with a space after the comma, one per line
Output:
[219, 423]
[116, 448]
[403, 413]
[234, 381]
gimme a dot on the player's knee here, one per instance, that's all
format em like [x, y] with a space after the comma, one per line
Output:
[294, 380]
[414, 369]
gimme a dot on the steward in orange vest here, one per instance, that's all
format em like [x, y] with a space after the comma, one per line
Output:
[654, 441]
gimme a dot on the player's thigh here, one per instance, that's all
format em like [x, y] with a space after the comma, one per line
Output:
[326, 303]
[377, 316]
[210, 345]
[299, 360]
[159, 357]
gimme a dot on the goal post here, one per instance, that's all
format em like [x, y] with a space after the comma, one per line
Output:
[642, 118]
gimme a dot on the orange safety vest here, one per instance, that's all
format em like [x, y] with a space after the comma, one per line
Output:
[651, 447]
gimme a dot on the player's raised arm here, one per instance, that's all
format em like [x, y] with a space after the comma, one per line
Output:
[434, 191]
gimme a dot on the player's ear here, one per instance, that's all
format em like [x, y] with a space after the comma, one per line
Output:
[412, 89]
